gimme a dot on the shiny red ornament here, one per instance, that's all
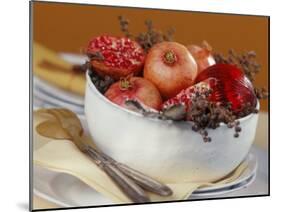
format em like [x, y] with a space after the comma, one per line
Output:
[232, 86]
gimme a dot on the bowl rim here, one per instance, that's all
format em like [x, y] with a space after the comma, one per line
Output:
[107, 101]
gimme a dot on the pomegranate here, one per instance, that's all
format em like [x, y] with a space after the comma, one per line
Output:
[134, 88]
[185, 96]
[118, 57]
[232, 86]
[171, 67]
[202, 56]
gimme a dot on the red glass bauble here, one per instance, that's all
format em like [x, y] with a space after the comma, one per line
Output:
[232, 86]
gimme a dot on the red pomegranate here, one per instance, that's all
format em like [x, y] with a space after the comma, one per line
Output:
[232, 85]
[185, 96]
[202, 56]
[171, 67]
[134, 88]
[115, 57]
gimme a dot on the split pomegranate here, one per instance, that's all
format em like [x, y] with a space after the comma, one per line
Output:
[185, 96]
[202, 56]
[171, 67]
[115, 57]
[232, 87]
[134, 88]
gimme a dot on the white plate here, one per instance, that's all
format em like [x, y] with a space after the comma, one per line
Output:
[251, 160]
[68, 191]
[55, 93]
[73, 58]
[226, 190]
[47, 99]
[39, 103]
[65, 190]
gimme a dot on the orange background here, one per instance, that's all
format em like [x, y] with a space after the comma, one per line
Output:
[68, 28]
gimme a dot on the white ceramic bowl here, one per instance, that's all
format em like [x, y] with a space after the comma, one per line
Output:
[166, 150]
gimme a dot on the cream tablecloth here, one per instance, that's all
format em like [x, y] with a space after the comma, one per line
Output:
[261, 141]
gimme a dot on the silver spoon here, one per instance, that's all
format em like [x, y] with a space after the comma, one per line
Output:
[72, 127]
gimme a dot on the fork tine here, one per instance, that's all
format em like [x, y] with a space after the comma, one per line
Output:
[62, 113]
[56, 112]
[71, 114]
[65, 112]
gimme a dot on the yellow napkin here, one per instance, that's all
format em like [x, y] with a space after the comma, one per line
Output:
[48, 66]
[64, 156]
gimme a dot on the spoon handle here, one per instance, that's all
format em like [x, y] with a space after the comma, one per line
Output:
[141, 179]
[145, 181]
[131, 189]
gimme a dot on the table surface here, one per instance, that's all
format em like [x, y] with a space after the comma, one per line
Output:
[261, 143]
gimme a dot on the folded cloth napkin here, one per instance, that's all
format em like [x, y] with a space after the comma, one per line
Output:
[64, 156]
[48, 66]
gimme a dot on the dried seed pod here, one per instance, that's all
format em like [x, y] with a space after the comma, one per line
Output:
[150, 37]
[236, 135]
[245, 61]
